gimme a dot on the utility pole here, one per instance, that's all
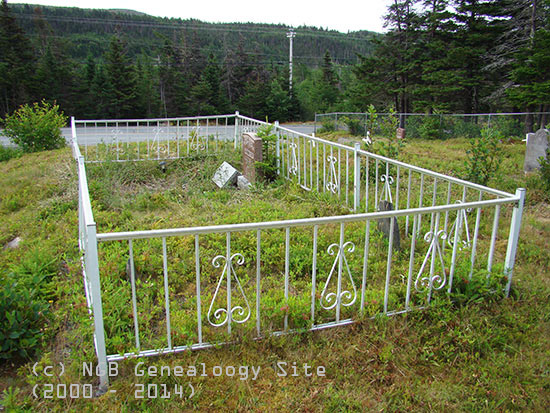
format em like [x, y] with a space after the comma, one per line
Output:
[290, 35]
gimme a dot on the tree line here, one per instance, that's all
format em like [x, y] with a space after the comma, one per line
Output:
[438, 56]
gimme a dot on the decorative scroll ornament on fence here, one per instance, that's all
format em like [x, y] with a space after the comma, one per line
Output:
[460, 222]
[156, 141]
[386, 191]
[293, 168]
[228, 270]
[347, 298]
[432, 281]
[195, 140]
[332, 184]
[115, 139]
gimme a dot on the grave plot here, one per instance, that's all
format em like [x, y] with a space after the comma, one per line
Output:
[345, 234]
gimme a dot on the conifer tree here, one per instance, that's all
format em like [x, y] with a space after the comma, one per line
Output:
[16, 63]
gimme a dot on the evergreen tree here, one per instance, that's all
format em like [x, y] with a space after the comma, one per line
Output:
[207, 95]
[16, 63]
[530, 77]
[122, 102]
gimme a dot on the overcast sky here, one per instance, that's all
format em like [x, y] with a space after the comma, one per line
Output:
[342, 15]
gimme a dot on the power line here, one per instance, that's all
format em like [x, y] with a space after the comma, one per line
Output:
[225, 27]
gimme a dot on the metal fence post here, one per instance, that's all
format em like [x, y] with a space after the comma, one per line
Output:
[278, 147]
[513, 238]
[92, 271]
[356, 176]
[236, 137]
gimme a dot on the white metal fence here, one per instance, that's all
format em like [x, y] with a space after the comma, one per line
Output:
[298, 274]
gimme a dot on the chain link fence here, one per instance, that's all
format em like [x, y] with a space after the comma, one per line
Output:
[432, 126]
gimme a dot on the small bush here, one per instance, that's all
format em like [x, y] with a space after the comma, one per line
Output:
[483, 161]
[25, 293]
[21, 319]
[7, 153]
[328, 126]
[430, 128]
[37, 127]
[355, 126]
[268, 165]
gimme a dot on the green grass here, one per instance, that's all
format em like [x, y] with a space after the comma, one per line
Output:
[487, 355]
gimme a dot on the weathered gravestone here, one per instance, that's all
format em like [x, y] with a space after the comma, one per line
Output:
[384, 224]
[537, 143]
[400, 133]
[225, 176]
[252, 153]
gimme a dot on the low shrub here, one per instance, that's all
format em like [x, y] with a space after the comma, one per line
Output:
[7, 153]
[37, 127]
[483, 156]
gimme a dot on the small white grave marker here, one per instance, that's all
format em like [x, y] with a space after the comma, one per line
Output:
[225, 176]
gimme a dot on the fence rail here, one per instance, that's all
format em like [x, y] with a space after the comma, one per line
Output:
[272, 278]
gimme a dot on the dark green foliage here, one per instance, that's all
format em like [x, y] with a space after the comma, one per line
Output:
[483, 157]
[7, 153]
[37, 127]
[16, 63]
[430, 128]
[121, 82]
[25, 294]
[544, 171]
[268, 165]
[356, 126]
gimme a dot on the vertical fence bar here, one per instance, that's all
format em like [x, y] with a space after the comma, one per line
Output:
[166, 293]
[494, 235]
[411, 265]
[236, 135]
[356, 177]
[420, 197]
[198, 285]
[365, 265]
[408, 203]
[340, 264]
[228, 274]
[367, 177]
[324, 167]
[317, 164]
[434, 257]
[339, 179]
[388, 266]
[258, 279]
[476, 234]
[398, 173]
[92, 271]
[458, 229]
[513, 238]
[376, 186]
[314, 274]
[278, 147]
[134, 300]
[287, 264]
[347, 178]
[434, 200]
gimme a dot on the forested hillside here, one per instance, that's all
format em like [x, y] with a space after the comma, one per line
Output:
[441, 56]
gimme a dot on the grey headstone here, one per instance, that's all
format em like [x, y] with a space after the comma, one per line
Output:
[385, 223]
[225, 176]
[537, 143]
[243, 183]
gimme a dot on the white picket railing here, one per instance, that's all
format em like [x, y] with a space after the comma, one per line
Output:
[441, 239]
